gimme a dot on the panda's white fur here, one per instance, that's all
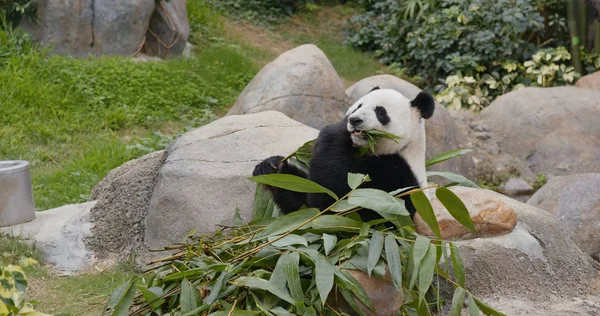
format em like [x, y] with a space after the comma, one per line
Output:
[405, 121]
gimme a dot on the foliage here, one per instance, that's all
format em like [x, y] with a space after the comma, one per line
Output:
[13, 286]
[434, 39]
[546, 68]
[14, 249]
[205, 24]
[15, 10]
[76, 119]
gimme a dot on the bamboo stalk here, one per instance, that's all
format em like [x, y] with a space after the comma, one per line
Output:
[596, 37]
[582, 12]
[575, 41]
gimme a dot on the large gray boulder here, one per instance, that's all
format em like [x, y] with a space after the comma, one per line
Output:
[555, 130]
[168, 30]
[537, 260]
[205, 175]
[441, 130]
[575, 201]
[123, 198]
[302, 84]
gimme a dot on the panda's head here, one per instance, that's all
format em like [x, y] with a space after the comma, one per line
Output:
[390, 111]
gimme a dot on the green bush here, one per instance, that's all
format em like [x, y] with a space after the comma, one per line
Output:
[433, 39]
[15, 10]
[13, 287]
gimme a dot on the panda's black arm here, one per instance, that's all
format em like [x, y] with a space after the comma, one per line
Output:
[287, 201]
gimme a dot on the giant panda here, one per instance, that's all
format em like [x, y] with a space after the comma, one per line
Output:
[394, 165]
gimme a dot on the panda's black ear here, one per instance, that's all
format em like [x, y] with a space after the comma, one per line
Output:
[374, 88]
[425, 103]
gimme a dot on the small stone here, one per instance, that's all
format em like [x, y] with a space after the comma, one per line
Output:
[483, 135]
[516, 186]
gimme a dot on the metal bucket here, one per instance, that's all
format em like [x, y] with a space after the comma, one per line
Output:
[16, 196]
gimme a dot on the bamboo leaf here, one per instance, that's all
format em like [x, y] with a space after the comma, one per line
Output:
[291, 239]
[292, 183]
[446, 155]
[189, 296]
[457, 301]
[455, 207]
[121, 300]
[291, 263]
[304, 153]
[237, 218]
[329, 242]
[337, 223]
[375, 248]
[423, 207]
[262, 284]
[487, 310]
[426, 271]
[345, 281]
[324, 273]
[457, 265]
[287, 222]
[150, 297]
[342, 206]
[356, 179]
[235, 312]
[216, 289]
[419, 249]
[473, 309]
[217, 267]
[278, 277]
[378, 200]
[453, 177]
[263, 204]
[392, 253]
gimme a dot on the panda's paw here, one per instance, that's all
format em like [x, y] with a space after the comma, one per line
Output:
[268, 166]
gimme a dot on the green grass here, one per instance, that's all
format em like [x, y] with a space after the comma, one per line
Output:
[76, 119]
[13, 249]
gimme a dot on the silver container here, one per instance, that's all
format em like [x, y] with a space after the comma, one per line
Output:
[16, 196]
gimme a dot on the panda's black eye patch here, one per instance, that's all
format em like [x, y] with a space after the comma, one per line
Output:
[382, 115]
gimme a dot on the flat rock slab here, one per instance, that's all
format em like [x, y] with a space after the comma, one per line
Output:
[205, 176]
[60, 233]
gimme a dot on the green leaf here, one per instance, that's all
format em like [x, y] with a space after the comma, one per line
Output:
[121, 299]
[375, 248]
[292, 183]
[237, 218]
[262, 284]
[324, 272]
[356, 179]
[457, 265]
[457, 301]
[280, 311]
[455, 207]
[263, 204]
[401, 190]
[378, 200]
[329, 242]
[150, 297]
[291, 263]
[342, 206]
[423, 207]
[473, 310]
[189, 296]
[304, 153]
[287, 222]
[392, 254]
[419, 249]
[337, 223]
[235, 312]
[216, 289]
[217, 267]
[291, 239]
[278, 277]
[197, 311]
[447, 155]
[426, 271]
[382, 134]
[454, 177]
[486, 309]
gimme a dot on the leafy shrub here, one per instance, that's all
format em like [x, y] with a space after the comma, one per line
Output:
[15, 10]
[546, 68]
[433, 39]
[13, 286]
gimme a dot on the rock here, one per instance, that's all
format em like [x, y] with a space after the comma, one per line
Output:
[302, 84]
[516, 186]
[575, 201]
[204, 177]
[587, 305]
[168, 30]
[119, 26]
[491, 216]
[591, 81]
[384, 296]
[442, 133]
[60, 233]
[123, 199]
[536, 261]
[555, 130]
